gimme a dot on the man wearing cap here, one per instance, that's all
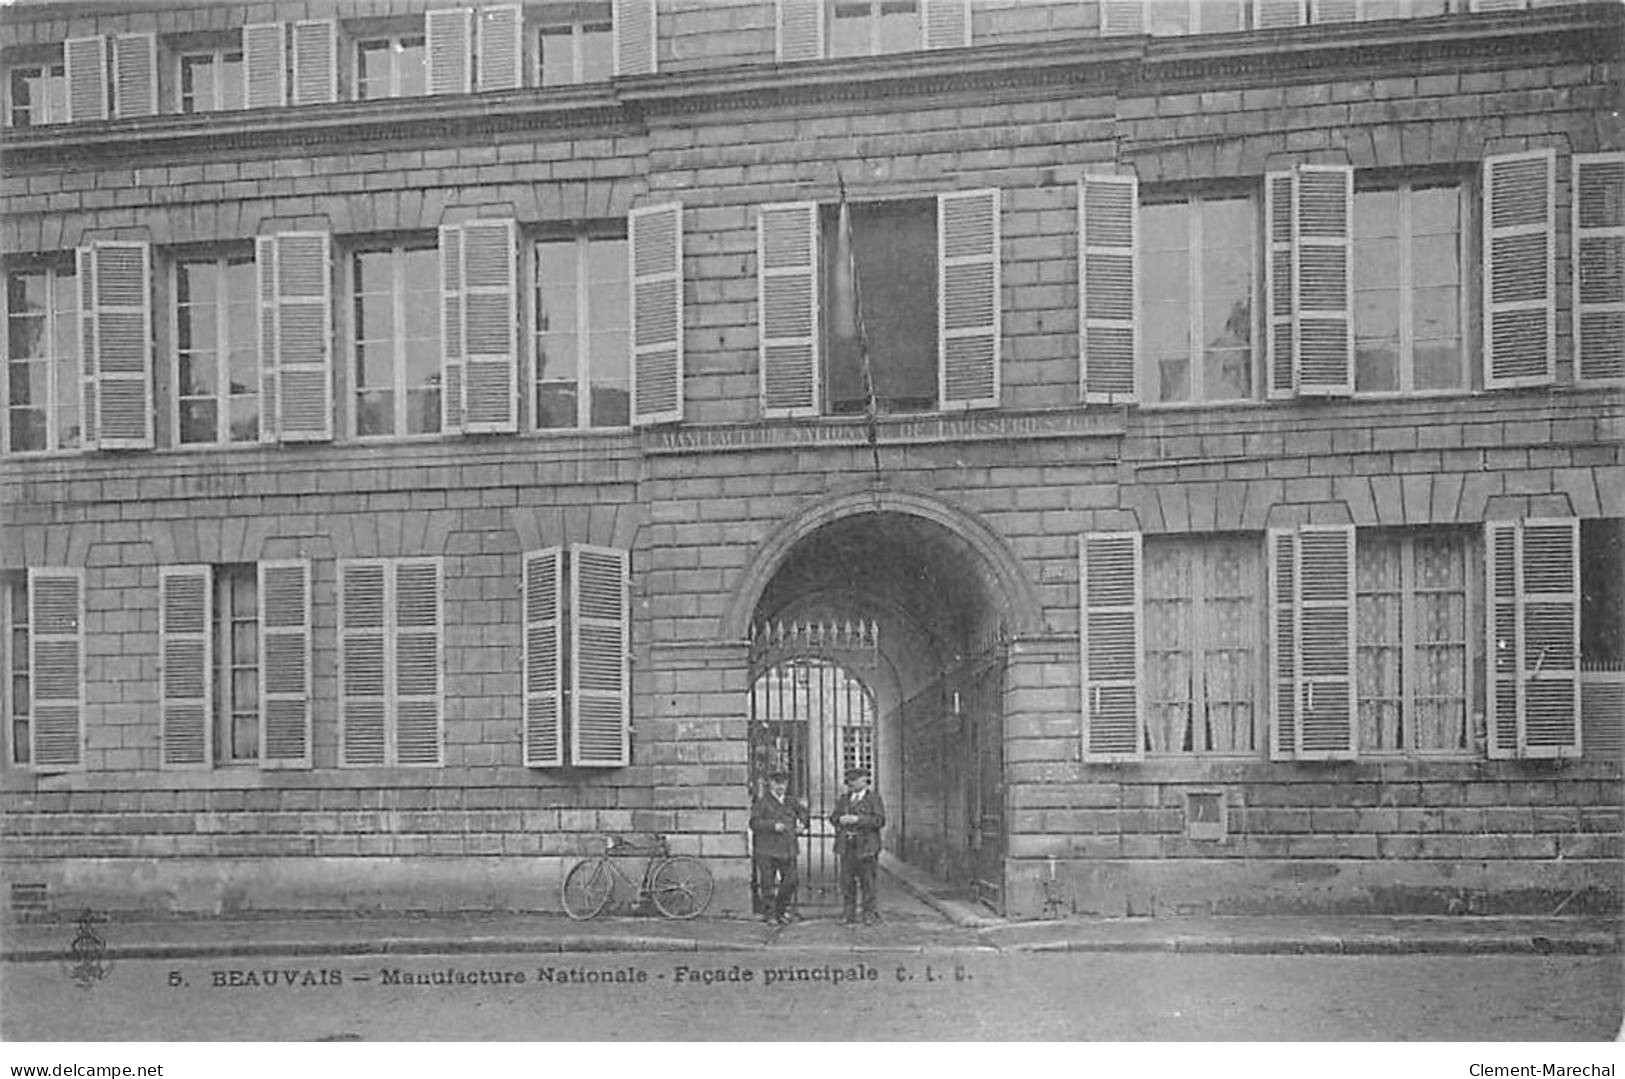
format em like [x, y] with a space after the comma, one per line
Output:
[858, 817]
[773, 820]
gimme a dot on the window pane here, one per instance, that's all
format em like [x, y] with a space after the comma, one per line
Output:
[198, 420]
[27, 429]
[1376, 214]
[1378, 615]
[611, 405]
[231, 82]
[556, 404]
[597, 53]
[375, 316]
[374, 365]
[27, 293]
[375, 413]
[555, 309]
[849, 30]
[197, 83]
[412, 68]
[556, 357]
[610, 356]
[899, 26]
[1220, 16]
[1376, 264]
[421, 269]
[372, 70]
[29, 383]
[1435, 261]
[423, 411]
[1438, 365]
[1168, 17]
[558, 55]
[245, 419]
[27, 337]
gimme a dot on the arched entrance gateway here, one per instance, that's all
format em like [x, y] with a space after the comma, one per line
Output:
[879, 626]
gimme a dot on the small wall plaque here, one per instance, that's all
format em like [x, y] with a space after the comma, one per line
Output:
[1206, 816]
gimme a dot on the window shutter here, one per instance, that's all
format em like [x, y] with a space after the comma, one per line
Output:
[1108, 213]
[636, 37]
[363, 678]
[1599, 265]
[1336, 10]
[450, 33]
[56, 641]
[946, 24]
[1322, 300]
[1282, 554]
[787, 284]
[1278, 287]
[657, 313]
[85, 274]
[1519, 320]
[116, 343]
[135, 75]
[600, 698]
[417, 662]
[452, 362]
[185, 626]
[295, 281]
[315, 62]
[500, 48]
[544, 659]
[284, 664]
[265, 274]
[85, 64]
[1480, 6]
[1325, 580]
[1269, 14]
[1109, 576]
[1122, 17]
[1602, 714]
[801, 30]
[1549, 628]
[490, 327]
[265, 62]
[1503, 648]
[968, 299]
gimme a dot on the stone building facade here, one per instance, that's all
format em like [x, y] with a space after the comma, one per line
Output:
[438, 437]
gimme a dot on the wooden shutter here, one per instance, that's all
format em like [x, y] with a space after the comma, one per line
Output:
[363, 666]
[945, 24]
[416, 636]
[600, 698]
[968, 299]
[1108, 278]
[657, 313]
[1549, 637]
[56, 664]
[285, 687]
[185, 626]
[544, 659]
[1280, 359]
[490, 324]
[801, 30]
[1322, 297]
[1335, 10]
[787, 294]
[452, 362]
[1109, 576]
[1282, 555]
[635, 37]
[296, 345]
[1599, 265]
[1122, 17]
[1602, 714]
[501, 48]
[315, 62]
[265, 84]
[450, 47]
[1519, 318]
[135, 75]
[1270, 14]
[85, 65]
[1325, 579]
[115, 319]
[1480, 6]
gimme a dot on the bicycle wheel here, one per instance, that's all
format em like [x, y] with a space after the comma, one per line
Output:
[681, 887]
[587, 888]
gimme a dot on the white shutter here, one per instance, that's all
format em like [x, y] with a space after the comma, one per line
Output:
[1335, 10]
[363, 663]
[946, 24]
[1322, 299]
[490, 327]
[116, 343]
[1480, 6]
[85, 66]
[56, 664]
[296, 345]
[543, 659]
[500, 48]
[1122, 17]
[1282, 554]
[968, 299]
[185, 627]
[1280, 360]
[1111, 593]
[452, 363]
[265, 292]
[600, 697]
[1519, 318]
[265, 62]
[636, 36]
[450, 46]
[1549, 632]
[1108, 278]
[1502, 646]
[1269, 14]
[315, 62]
[416, 637]
[787, 295]
[285, 687]
[656, 258]
[1325, 580]
[135, 75]
[1602, 714]
[801, 30]
[1599, 265]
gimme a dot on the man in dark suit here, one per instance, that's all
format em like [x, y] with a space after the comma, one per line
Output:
[773, 824]
[858, 818]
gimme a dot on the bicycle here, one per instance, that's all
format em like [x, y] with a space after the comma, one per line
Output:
[678, 885]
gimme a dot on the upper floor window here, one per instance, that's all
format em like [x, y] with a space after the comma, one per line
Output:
[872, 27]
[1408, 294]
[814, 29]
[37, 95]
[582, 336]
[236, 633]
[15, 691]
[397, 340]
[391, 66]
[216, 350]
[211, 81]
[43, 379]
[578, 48]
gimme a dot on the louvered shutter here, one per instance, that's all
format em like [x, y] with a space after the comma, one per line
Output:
[135, 75]
[1325, 580]
[363, 674]
[1108, 215]
[787, 292]
[544, 659]
[657, 313]
[416, 636]
[315, 62]
[1480, 6]
[1519, 319]
[1599, 265]
[1503, 647]
[265, 84]
[1109, 576]
[500, 48]
[635, 37]
[1549, 631]
[452, 362]
[56, 663]
[801, 30]
[296, 346]
[115, 318]
[1322, 299]
[185, 624]
[267, 309]
[1335, 10]
[1270, 14]
[1602, 714]
[946, 24]
[285, 687]
[968, 299]
[85, 67]
[450, 33]
[490, 327]
[1282, 555]
[1280, 359]
[600, 698]
[1122, 17]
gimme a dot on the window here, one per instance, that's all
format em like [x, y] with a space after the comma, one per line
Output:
[580, 49]
[211, 81]
[1194, 16]
[576, 670]
[1408, 293]
[582, 335]
[17, 693]
[38, 95]
[873, 27]
[237, 669]
[391, 66]
[43, 378]
[390, 659]
[217, 350]
[397, 341]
